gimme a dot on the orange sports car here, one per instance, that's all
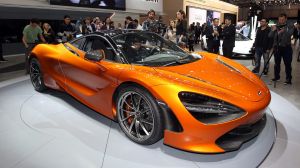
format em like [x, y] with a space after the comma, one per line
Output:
[197, 102]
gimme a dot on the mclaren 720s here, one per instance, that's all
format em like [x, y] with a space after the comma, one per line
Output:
[197, 102]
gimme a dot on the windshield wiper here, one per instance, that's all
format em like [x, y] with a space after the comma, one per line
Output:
[183, 60]
[178, 62]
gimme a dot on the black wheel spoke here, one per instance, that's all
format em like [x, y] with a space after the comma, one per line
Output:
[35, 77]
[34, 69]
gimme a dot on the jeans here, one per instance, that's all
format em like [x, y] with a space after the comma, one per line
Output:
[259, 52]
[27, 52]
[287, 54]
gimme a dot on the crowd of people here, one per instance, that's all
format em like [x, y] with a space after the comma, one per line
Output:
[177, 31]
[276, 38]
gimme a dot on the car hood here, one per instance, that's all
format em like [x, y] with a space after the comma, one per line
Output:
[221, 73]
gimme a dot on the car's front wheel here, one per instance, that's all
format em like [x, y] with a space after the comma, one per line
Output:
[139, 116]
[36, 75]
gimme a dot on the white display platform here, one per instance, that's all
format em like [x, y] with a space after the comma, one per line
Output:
[54, 130]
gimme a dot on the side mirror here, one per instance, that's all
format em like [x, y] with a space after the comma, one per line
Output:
[57, 41]
[95, 56]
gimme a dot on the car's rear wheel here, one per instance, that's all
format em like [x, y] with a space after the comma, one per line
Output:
[36, 75]
[138, 115]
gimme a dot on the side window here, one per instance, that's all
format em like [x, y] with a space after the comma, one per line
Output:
[88, 45]
[78, 43]
[240, 37]
[97, 43]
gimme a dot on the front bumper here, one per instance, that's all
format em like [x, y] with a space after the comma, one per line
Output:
[194, 136]
[234, 139]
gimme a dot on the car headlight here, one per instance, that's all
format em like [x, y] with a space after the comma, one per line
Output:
[209, 110]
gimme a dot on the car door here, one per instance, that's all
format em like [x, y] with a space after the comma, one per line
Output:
[243, 44]
[89, 81]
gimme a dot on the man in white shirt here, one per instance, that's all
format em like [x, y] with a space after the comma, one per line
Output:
[245, 30]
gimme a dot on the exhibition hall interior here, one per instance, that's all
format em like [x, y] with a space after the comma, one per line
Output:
[149, 83]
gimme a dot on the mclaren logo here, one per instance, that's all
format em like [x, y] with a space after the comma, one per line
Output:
[259, 93]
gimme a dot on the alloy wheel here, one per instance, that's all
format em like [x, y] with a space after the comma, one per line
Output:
[35, 75]
[136, 116]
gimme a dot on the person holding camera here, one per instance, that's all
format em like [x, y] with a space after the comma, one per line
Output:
[213, 34]
[31, 35]
[282, 34]
[67, 30]
[262, 45]
[151, 24]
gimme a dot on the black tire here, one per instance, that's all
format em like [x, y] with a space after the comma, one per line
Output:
[134, 98]
[36, 75]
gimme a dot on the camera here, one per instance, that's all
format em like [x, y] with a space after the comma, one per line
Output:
[280, 27]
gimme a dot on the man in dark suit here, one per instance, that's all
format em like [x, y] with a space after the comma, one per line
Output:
[198, 30]
[213, 34]
[228, 35]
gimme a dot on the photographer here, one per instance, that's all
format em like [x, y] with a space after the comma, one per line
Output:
[262, 45]
[282, 34]
[151, 24]
[67, 30]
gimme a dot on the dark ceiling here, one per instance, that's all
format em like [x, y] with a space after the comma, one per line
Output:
[248, 3]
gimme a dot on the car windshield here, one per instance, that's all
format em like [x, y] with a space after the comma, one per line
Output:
[150, 49]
